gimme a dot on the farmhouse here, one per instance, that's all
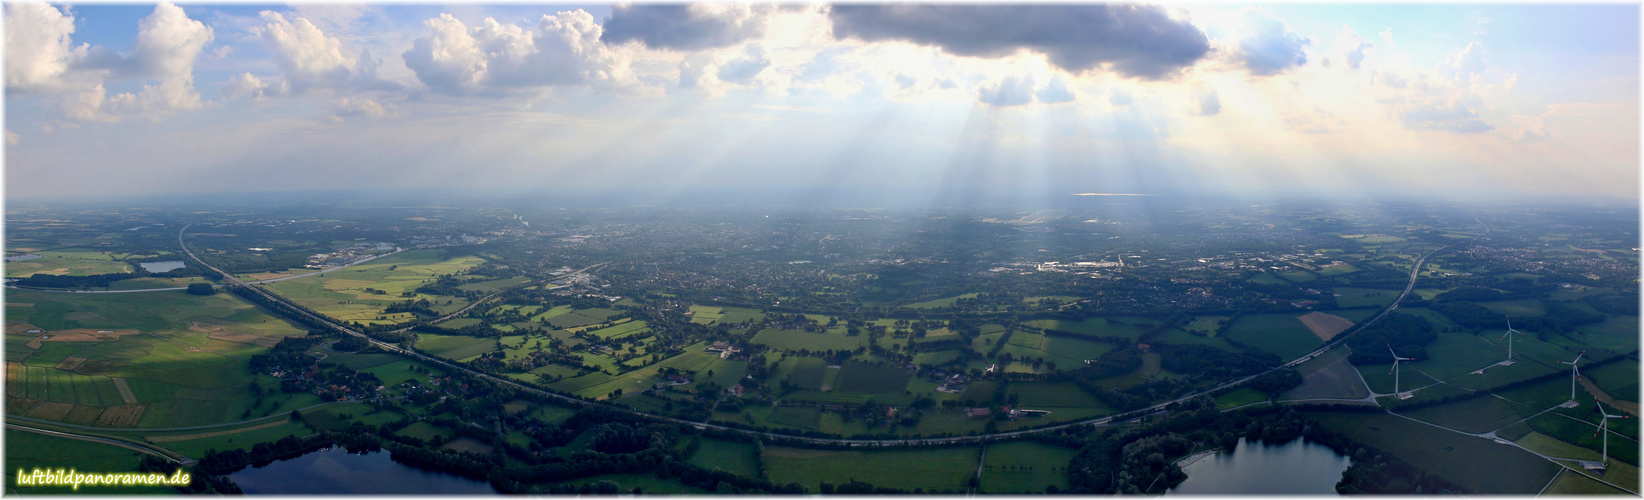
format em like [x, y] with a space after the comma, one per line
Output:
[735, 390]
[977, 412]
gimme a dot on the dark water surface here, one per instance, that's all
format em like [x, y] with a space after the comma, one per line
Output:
[1295, 468]
[334, 471]
[160, 267]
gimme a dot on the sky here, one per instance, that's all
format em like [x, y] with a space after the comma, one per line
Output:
[919, 101]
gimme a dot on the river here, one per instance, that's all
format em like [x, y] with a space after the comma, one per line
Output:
[334, 471]
[1295, 468]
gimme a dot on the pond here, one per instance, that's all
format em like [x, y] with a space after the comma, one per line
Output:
[160, 267]
[335, 471]
[1295, 468]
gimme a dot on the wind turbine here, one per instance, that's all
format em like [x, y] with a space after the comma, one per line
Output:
[1396, 360]
[1509, 337]
[1603, 425]
[1575, 373]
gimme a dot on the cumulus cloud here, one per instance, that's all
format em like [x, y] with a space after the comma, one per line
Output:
[1055, 92]
[1209, 103]
[1271, 48]
[1469, 60]
[1010, 91]
[1353, 44]
[39, 49]
[686, 27]
[40, 56]
[249, 86]
[746, 67]
[309, 58]
[1453, 116]
[12, 139]
[494, 58]
[905, 82]
[1133, 40]
[351, 107]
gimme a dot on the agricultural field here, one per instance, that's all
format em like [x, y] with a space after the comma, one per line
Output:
[1120, 326]
[794, 340]
[456, 347]
[581, 317]
[27, 451]
[342, 294]
[159, 359]
[1024, 467]
[940, 469]
[938, 303]
[1063, 351]
[871, 379]
[67, 262]
[1241, 397]
[1328, 376]
[1280, 334]
[1480, 465]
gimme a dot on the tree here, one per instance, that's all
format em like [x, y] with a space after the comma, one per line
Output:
[295, 416]
[201, 289]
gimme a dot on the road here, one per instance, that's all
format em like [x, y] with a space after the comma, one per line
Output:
[1415, 271]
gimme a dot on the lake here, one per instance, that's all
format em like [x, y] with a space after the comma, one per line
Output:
[335, 471]
[160, 267]
[1295, 468]
[23, 257]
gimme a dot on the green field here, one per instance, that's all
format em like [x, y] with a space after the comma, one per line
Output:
[807, 373]
[1064, 352]
[1241, 397]
[342, 294]
[1480, 465]
[1526, 307]
[1280, 334]
[581, 317]
[1365, 297]
[456, 347]
[28, 451]
[936, 303]
[67, 262]
[794, 340]
[620, 330]
[648, 484]
[182, 356]
[941, 469]
[1121, 326]
[871, 379]
[1478, 415]
[1025, 467]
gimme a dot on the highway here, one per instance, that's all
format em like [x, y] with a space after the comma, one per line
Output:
[1415, 271]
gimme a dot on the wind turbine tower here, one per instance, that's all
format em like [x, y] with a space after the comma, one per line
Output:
[1603, 427]
[1575, 373]
[1396, 360]
[1509, 337]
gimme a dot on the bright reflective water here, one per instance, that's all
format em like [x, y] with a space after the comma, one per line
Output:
[160, 267]
[1295, 468]
[334, 471]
